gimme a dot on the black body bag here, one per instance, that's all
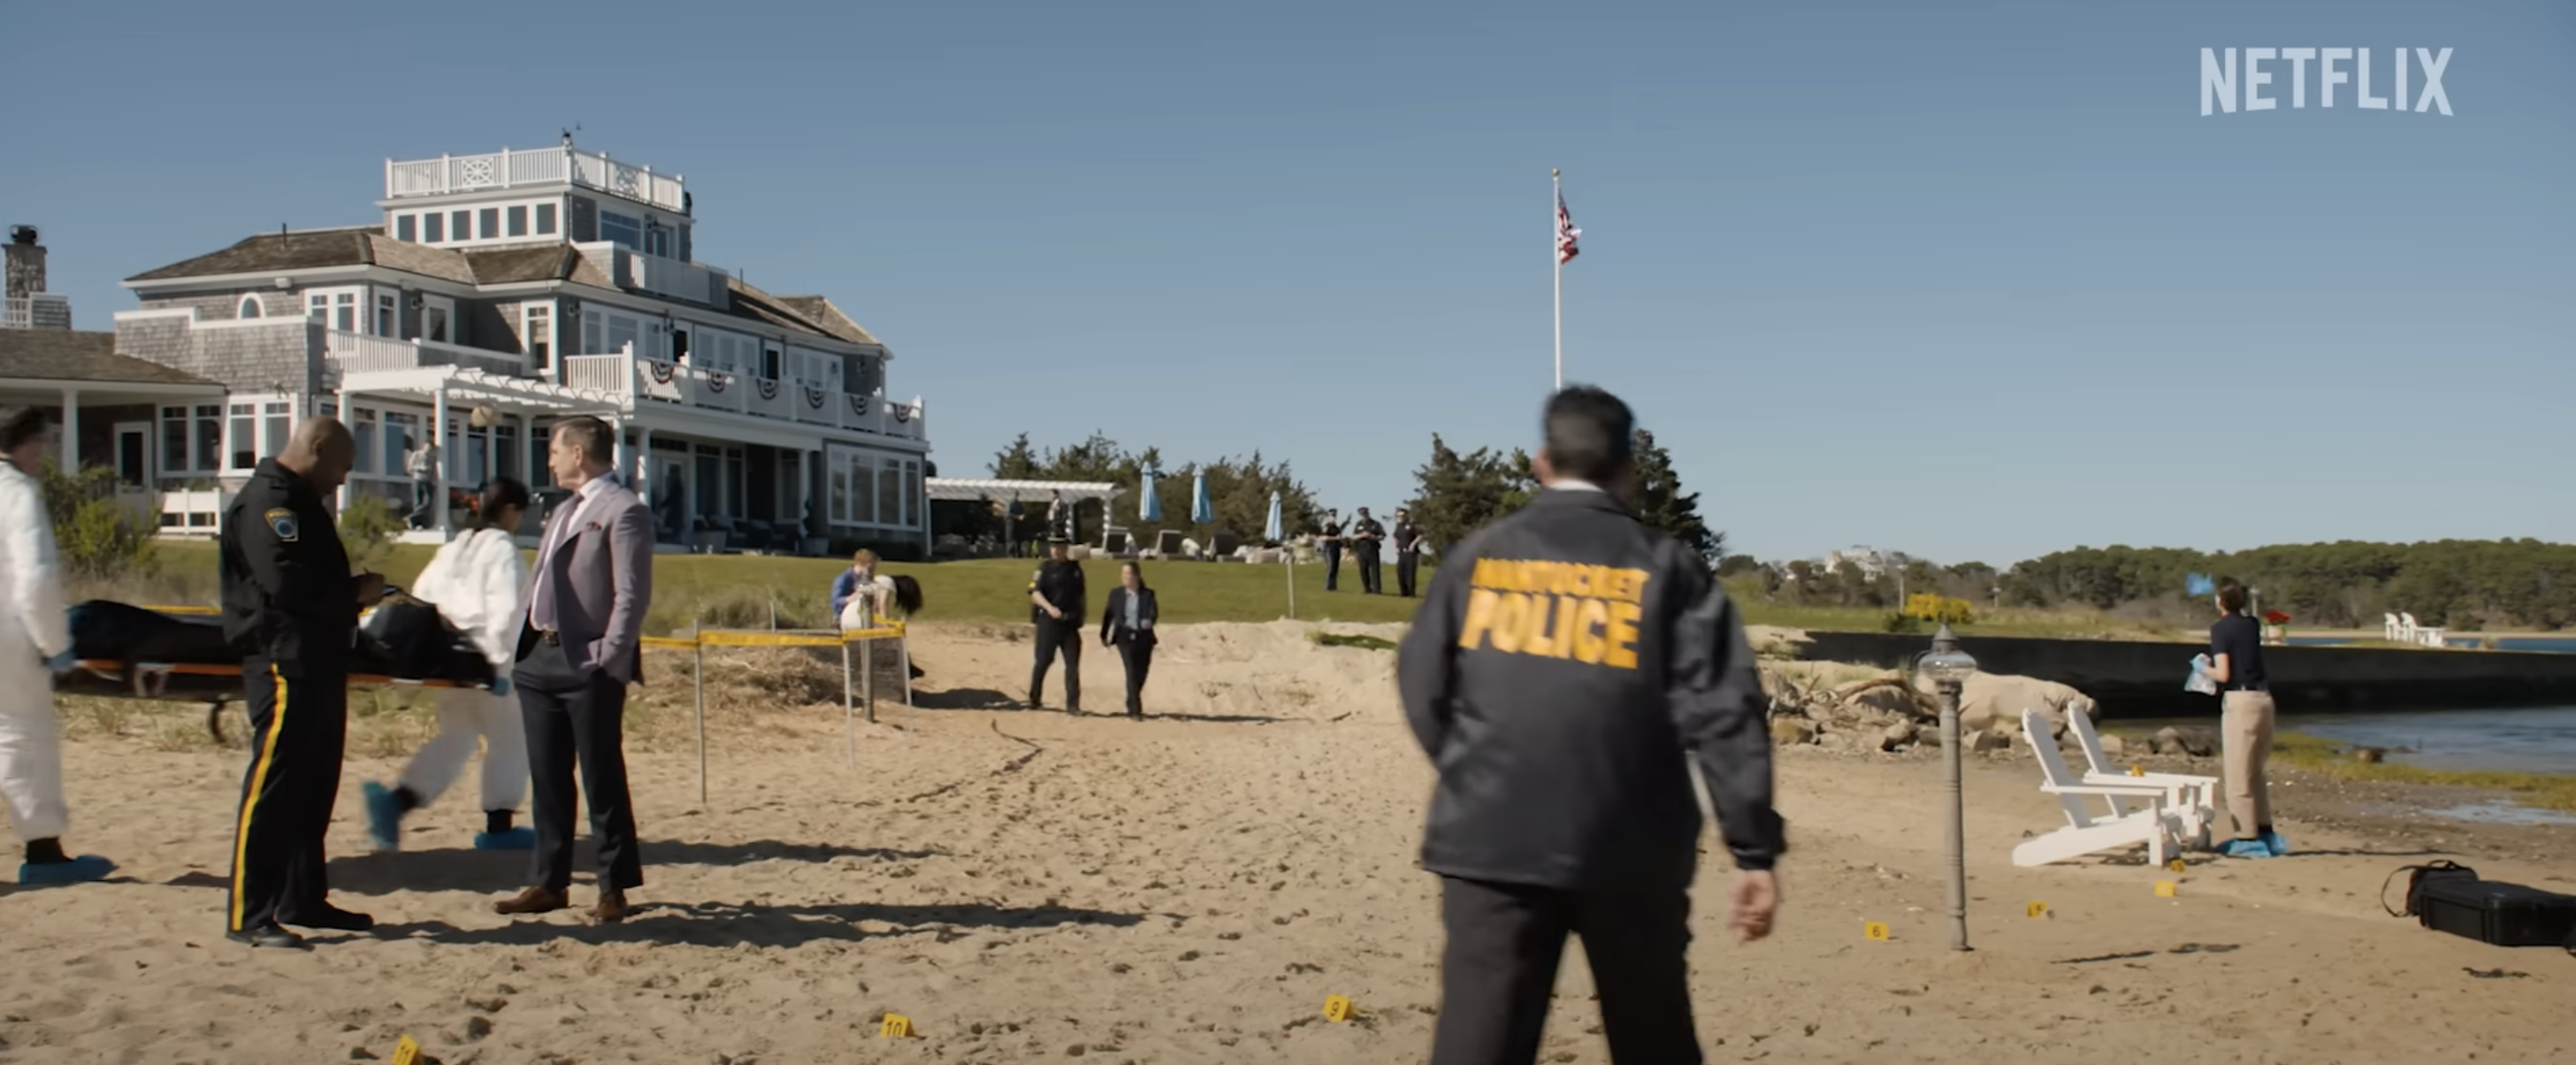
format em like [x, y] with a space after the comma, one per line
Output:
[2448, 897]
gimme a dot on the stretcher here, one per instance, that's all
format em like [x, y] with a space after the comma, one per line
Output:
[214, 683]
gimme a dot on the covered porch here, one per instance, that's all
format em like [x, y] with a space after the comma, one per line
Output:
[159, 429]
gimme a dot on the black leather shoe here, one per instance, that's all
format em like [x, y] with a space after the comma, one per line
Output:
[267, 935]
[330, 917]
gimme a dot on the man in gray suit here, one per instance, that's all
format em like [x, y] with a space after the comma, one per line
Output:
[581, 645]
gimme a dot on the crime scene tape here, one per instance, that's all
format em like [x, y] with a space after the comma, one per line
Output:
[690, 643]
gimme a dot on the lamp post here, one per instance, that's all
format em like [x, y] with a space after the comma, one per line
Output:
[1949, 667]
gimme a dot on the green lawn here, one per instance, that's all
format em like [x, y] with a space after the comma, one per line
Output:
[741, 590]
[734, 591]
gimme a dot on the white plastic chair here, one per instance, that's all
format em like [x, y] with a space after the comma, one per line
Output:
[2085, 833]
[2192, 799]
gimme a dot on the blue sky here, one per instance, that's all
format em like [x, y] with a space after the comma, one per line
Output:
[1968, 281]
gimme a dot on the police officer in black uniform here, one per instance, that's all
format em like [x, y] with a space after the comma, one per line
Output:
[1569, 669]
[1331, 544]
[1408, 551]
[1367, 538]
[1056, 603]
[291, 610]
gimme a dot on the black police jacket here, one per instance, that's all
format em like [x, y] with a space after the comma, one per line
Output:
[1567, 662]
[1060, 584]
[288, 594]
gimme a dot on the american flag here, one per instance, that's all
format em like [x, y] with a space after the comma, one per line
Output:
[1565, 231]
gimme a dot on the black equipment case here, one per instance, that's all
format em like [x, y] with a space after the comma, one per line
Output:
[2449, 897]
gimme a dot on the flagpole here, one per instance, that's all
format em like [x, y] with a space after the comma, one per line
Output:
[1555, 181]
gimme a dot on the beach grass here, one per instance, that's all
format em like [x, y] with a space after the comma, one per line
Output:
[2316, 754]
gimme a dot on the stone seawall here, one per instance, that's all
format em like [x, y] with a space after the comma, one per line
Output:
[2138, 678]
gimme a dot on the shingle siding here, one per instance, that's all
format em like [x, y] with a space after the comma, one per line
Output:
[249, 358]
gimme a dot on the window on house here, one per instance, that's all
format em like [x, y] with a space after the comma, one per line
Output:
[622, 331]
[506, 451]
[734, 486]
[362, 427]
[344, 312]
[388, 315]
[890, 493]
[249, 307]
[679, 345]
[406, 228]
[434, 324]
[912, 514]
[277, 419]
[537, 332]
[461, 224]
[244, 436]
[491, 222]
[657, 241]
[545, 219]
[209, 429]
[624, 230]
[433, 228]
[769, 363]
[519, 221]
[400, 429]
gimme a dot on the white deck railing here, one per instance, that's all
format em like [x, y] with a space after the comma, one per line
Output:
[506, 169]
[368, 353]
[661, 380]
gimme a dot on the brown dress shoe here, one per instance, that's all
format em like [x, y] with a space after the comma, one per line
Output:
[611, 908]
[533, 900]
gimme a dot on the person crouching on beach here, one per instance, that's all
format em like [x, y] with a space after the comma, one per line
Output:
[2245, 720]
[475, 583]
[859, 594]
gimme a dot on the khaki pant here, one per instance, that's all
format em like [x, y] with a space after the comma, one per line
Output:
[2245, 720]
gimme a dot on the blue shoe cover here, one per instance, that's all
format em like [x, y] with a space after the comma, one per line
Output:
[87, 868]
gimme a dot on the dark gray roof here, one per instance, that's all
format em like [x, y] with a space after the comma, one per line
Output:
[368, 245]
[76, 355]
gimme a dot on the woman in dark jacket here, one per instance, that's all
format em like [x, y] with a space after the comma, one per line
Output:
[1128, 623]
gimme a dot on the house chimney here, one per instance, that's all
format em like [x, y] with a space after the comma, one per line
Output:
[26, 264]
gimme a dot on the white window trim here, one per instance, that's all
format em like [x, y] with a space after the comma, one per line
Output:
[251, 300]
[188, 443]
[361, 308]
[430, 301]
[263, 442]
[534, 316]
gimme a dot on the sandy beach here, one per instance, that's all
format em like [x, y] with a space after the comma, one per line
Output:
[1027, 886]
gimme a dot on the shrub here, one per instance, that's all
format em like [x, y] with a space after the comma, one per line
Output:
[368, 526]
[97, 537]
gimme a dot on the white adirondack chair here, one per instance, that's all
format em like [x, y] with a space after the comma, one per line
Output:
[2191, 799]
[2392, 631]
[2406, 630]
[2086, 832]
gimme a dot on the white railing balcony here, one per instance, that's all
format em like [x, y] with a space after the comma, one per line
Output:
[533, 168]
[44, 310]
[366, 353]
[673, 278]
[634, 379]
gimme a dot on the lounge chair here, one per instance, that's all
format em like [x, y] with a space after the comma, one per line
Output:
[2192, 799]
[2085, 832]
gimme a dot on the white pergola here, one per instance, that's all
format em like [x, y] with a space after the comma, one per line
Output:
[525, 399]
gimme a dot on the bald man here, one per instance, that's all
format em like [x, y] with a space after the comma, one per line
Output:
[291, 610]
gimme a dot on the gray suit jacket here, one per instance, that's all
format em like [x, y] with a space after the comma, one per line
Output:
[602, 578]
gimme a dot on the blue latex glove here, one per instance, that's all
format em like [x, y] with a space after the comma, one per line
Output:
[501, 687]
[61, 663]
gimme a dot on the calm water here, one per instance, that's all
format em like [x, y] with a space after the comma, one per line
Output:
[2564, 645]
[2536, 740]
[2526, 740]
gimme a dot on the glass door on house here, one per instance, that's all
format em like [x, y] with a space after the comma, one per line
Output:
[133, 454]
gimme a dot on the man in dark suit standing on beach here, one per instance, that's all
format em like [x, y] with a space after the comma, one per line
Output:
[581, 646]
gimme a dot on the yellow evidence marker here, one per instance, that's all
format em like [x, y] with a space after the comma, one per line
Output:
[1876, 930]
[2036, 909]
[1337, 1009]
[2137, 770]
[2178, 865]
[406, 1051]
[2164, 889]
[896, 1026]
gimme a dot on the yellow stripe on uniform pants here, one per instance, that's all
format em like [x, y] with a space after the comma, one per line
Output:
[258, 783]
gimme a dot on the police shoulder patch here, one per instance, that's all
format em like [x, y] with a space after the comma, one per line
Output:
[282, 522]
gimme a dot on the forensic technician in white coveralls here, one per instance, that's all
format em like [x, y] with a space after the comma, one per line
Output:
[35, 644]
[475, 582]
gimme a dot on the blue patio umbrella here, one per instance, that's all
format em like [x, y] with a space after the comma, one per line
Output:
[1270, 529]
[1150, 510]
[1202, 512]
[2196, 585]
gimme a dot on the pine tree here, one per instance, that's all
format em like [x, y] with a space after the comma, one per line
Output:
[1018, 462]
[1457, 494]
[1660, 501]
